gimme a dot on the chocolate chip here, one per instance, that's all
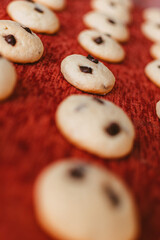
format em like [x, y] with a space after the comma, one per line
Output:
[85, 69]
[112, 4]
[98, 100]
[158, 66]
[10, 39]
[77, 172]
[108, 35]
[27, 29]
[111, 21]
[113, 129]
[38, 10]
[80, 107]
[113, 197]
[92, 59]
[30, 1]
[98, 40]
[158, 25]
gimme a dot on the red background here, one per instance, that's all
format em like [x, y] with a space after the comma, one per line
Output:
[29, 139]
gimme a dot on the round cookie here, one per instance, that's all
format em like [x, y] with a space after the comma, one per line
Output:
[8, 78]
[78, 201]
[106, 24]
[18, 43]
[112, 8]
[152, 14]
[87, 74]
[158, 109]
[151, 31]
[57, 5]
[155, 50]
[152, 71]
[95, 125]
[35, 16]
[101, 46]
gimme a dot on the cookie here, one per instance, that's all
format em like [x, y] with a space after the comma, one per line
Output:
[152, 14]
[79, 201]
[112, 8]
[105, 24]
[151, 31]
[101, 46]
[8, 78]
[87, 74]
[18, 43]
[158, 109]
[95, 125]
[57, 5]
[155, 50]
[152, 71]
[35, 16]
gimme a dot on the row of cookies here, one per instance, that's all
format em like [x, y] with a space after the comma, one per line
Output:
[17, 41]
[151, 30]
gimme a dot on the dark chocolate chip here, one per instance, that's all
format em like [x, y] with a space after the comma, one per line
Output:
[27, 29]
[98, 100]
[85, 69]
[113, 197]
[77, 172]
[92, 59]
[38, 10]
[98, 40]
[113, 129]
[30, 1]
[158, 66]
[10, 39]
[111, 21]
[80, 107]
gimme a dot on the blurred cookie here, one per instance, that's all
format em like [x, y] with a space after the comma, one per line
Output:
[152, 14]
[8, 78]
[57, 5]
[101, 46]
[18, 43]
[35, 16]
[158, 109]
[155, 50]
[95, 125]
[151, 31]
[113, 9]
[106, 24]
[75, 200]
[152, 71]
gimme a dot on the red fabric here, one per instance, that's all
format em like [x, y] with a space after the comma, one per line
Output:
[29, 139]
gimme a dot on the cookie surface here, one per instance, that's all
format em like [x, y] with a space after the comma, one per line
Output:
[35, 16]
[151, 31]
[95, 125]
[158, 109]
[152, 71]
[8, 78]
[87, 74]
[75, 200]
[155, 50]
[111, 8]
[101, 46]
[18, 43]
[152, 14]
[106, 24]
[57, 5]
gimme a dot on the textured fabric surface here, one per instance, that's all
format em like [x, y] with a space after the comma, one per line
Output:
[29, 139]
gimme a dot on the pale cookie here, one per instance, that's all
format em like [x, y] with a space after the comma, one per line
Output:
[56, 5]
[18, 43]
[101, 46]
[112, 8]
[155, 50]
[78, 201]
[87, 74]
[106, 24]
[151, 31]
[158, 109]
[152, 71]
[8, 78]
[96, 125]
[35, 16]
[152, 14]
